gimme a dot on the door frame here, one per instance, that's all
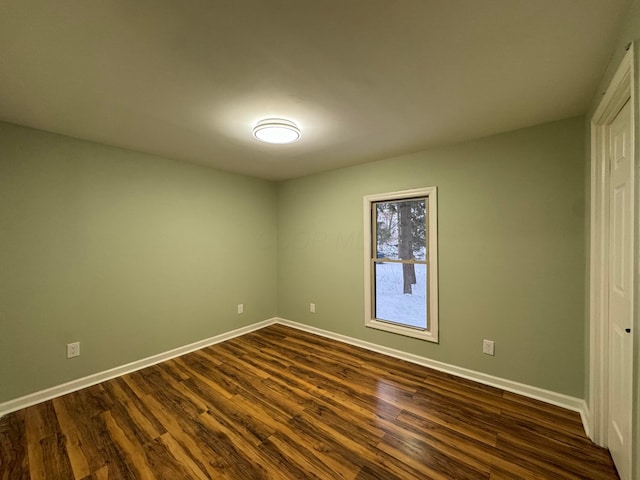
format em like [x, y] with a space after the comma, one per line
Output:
[620, 91]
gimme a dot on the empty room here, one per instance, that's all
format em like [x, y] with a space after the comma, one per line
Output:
[355, 239]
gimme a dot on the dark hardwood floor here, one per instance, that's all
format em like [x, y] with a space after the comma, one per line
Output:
[284, 404]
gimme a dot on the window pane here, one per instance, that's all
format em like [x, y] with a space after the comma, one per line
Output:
[392, 303]
[401, 229]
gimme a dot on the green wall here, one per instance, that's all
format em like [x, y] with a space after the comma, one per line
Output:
[133, 254]
[128, 253]
[511, 252]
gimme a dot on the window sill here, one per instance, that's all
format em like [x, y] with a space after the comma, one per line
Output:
[400, 330]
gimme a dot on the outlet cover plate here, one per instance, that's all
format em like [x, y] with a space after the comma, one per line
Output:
[73, 349]
[488, 347]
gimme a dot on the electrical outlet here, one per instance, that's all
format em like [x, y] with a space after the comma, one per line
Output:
[240, 308]
[73, 349]
[488, 347]
[312, 307]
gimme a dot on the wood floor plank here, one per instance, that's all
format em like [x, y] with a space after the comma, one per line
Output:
[126, 413]
[186, 435]
[285, 404]
[228, 356]
[439, 466]
[543, 451]
[14, 460]
[343, 466]
[202, 373]
[426, 421]
[240, 459]
[82, 448]
[98, 435]
[101, 474]
[127, 443]
[180, 456]
[262, 356]
[77, 458]
[55, 459]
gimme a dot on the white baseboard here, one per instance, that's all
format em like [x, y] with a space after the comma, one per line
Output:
[585, 415]
[80, 383]
[558, 399]
[554, 398]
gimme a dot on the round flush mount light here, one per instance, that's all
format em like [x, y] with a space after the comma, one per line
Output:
[276, 130]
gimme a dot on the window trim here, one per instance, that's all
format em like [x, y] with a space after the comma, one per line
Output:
[431, 334]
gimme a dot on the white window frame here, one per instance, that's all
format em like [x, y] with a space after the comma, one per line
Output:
[431, 333]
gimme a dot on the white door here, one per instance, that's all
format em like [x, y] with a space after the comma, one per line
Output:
[620, 289]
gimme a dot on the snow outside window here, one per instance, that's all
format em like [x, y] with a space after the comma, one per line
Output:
[401, 262]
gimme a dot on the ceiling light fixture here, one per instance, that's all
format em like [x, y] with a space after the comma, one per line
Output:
[276, 130]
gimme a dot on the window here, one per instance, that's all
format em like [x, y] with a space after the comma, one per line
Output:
[401, 262]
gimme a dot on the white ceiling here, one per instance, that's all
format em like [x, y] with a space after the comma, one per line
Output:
[364, 79]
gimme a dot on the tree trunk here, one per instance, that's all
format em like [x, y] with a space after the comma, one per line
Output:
[406, 277]
[405, 246]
